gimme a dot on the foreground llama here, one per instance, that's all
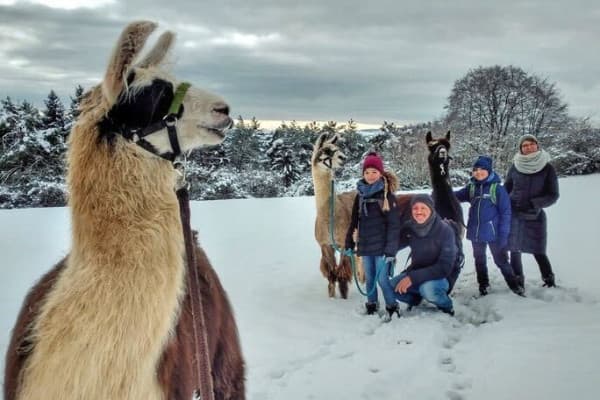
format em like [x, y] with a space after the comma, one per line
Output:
[446, 203]
[113, 320]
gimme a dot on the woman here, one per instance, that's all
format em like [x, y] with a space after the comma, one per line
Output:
[532, 185]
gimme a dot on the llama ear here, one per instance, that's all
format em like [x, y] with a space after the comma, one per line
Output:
[448, 135]
[159, 51]
[334, 139]
[320, 141]
[128, 46]
[428, 137]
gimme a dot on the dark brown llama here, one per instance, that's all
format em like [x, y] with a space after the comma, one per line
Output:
[446, 203]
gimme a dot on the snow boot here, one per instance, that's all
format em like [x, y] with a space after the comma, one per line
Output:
[518, 290]
[449, 311]
[514, 285]
[371, 308]
[483, 289]
[393, 309]
[390, 311]
[520, 280]
[549, 281]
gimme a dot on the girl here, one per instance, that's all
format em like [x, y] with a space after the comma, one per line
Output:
[375, 216]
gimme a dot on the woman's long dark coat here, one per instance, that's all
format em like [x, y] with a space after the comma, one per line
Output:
[529, 195]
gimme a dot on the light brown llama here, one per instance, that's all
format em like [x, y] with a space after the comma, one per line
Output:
[326, 158]
[113, 320]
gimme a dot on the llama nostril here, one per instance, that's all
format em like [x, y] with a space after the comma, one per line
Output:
[221, 108]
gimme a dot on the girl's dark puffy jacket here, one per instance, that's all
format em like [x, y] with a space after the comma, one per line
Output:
[488, 222]
[378, 230]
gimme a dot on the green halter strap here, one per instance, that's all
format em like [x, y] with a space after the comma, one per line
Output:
[169, 121]
[178, 98]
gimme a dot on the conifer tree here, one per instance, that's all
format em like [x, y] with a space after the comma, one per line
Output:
[54, 114]
[75, 101]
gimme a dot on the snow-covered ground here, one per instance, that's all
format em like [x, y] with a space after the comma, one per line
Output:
[299, 344]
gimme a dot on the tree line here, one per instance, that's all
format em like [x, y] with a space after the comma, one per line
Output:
[487, 111]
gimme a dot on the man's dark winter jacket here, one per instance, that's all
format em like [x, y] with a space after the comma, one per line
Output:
[529, 194]
[488, 222]
[377, 230]
[432, 256]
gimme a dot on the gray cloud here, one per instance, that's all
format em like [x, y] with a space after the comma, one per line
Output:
[390, 60]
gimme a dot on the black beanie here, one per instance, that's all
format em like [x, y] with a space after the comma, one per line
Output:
[423, 198]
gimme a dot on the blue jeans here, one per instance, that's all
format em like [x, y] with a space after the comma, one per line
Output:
[434, 291]
[372, 264]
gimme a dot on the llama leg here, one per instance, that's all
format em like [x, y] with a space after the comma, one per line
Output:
[344, 275]
[228, 371]
[328, 266]
[360, 269]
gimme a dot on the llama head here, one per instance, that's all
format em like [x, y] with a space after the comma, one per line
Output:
[326, 154]
[439, 156]
[144, 101]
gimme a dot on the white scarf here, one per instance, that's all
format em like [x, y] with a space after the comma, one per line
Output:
[531, 163]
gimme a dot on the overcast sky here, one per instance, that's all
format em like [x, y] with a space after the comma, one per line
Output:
[313, 59]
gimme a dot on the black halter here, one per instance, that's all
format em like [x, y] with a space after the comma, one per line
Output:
[439, 156]
[169, 122]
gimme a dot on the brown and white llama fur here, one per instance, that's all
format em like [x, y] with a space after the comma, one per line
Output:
[326, 158]
[112, 320]
[446, 203]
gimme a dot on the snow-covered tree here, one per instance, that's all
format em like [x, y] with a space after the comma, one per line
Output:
[242, 146]
[54, 114]
[490, 107]
[283, 162]
[73, 112]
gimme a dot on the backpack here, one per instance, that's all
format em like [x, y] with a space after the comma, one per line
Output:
[459, 261]
[492, 191]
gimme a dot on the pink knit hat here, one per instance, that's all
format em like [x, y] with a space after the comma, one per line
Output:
[372, 160]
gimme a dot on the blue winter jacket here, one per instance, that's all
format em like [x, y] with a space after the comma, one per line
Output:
[488, 222]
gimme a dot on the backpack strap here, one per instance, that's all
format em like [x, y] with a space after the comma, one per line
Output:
[492, 192]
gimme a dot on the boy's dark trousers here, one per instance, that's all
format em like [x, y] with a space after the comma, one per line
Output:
[500, 256]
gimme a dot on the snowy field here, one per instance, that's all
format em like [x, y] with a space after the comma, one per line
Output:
[299, 344]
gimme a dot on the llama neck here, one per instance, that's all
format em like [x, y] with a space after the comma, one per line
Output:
[121, 289]
[322, 184]
[120, 201]
[440, 183]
